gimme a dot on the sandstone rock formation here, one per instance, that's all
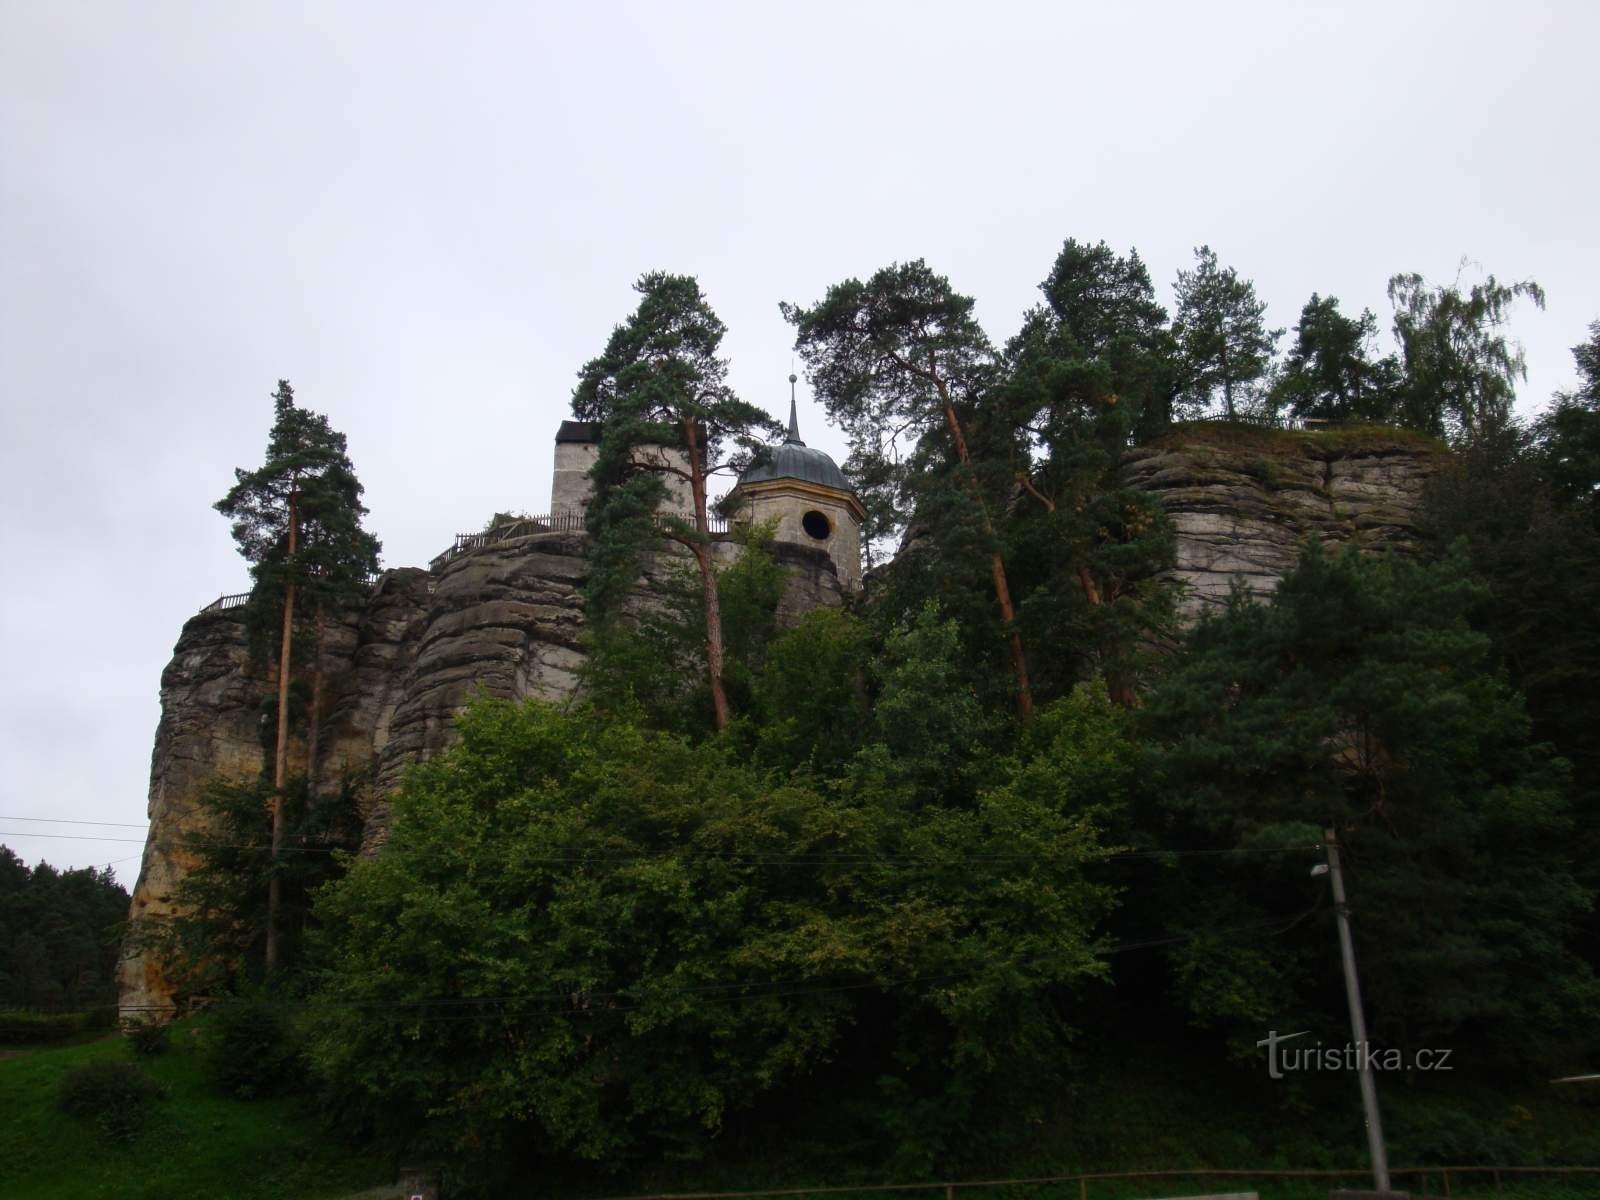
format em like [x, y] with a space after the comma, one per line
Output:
[1242, 501]
[504, 618]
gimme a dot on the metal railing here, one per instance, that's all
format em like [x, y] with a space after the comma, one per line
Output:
[568, 521]
[1261, 420]
[1264, 420]
[240, 599]
[223, 603]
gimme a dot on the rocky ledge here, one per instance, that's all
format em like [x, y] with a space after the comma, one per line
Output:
[1243, 501]
[504, 619]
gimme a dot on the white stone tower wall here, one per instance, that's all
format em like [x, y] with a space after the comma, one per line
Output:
[571, 487]
[789, 503]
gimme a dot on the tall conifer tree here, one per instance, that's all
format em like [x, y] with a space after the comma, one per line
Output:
[297, 519]
[1223, 340]
[661, 382]
[898, 357]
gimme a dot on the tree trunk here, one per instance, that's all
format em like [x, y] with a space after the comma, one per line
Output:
[280, 761]
[997, 564]
[708, 577]
[1091, 590]
[1118, 687]
[1227, 380]
[314, 718]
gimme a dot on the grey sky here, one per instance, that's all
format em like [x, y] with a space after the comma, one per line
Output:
[428, 216]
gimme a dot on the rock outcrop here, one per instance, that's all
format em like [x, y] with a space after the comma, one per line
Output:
[504, 618]
[1243, 502]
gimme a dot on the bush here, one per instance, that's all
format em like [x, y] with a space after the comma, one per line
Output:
[116, 1096]
[27, 1027]
[32, 1028]
[254, 1048]
[147, 1037]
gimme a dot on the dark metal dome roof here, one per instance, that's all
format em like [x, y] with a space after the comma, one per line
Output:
[796, 460]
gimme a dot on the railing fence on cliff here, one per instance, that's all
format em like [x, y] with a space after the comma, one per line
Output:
[223, 603]
[568, 521]
[1263, 420]
[240, 599]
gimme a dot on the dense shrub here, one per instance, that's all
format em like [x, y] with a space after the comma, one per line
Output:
[253, 1046]
[147, 1037]
[21, 1027]
[34, 1027]
[116, 1096]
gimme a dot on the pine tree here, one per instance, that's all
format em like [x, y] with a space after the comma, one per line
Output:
[895, 360]
[1089, 368]
[1222, 339]
[1569, 433]
[1330, 373]
[660, 382]
[297, 520]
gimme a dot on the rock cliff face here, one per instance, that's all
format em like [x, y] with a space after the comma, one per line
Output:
[505, 618]
[1242, 502]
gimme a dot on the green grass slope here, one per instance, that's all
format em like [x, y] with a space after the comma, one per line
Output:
[197, 1144]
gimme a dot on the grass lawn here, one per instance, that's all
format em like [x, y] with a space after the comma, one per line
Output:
[197, 1144]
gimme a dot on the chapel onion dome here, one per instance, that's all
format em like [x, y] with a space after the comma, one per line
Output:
[796, 460]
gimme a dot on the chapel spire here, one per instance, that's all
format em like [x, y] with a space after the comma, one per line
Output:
[794, 420]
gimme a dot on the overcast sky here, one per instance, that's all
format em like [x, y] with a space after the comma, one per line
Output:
[427, 216]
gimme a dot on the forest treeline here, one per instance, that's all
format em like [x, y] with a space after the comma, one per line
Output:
[904, 859]
[59, 933]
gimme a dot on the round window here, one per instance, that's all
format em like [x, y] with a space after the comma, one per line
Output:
[816, 525]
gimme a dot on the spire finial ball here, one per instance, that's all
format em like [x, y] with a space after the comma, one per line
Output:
[792, 378]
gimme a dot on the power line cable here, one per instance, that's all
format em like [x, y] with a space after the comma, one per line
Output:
[601, 857]
[772, 989]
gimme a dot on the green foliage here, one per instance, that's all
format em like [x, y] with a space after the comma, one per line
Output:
[1003, 467]
[1460, 370]
[649, 665]
[589, 939]
[116, 1096]
[23, 1027]
[306, 469]
[1361, 699]
[1089, 369]
[1330, 374]
[147, 1037]
[1569, 434]
[927, 717]
[58, 936]
[196, 1143]
[1511, 499]
[253, 1044]
[811, 695]
[889, 358]
[1223, 343]
[217, 937]
[659, 382]
[1099, 350]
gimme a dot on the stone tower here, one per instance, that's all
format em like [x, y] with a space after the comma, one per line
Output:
[577, 449]
[814, 503]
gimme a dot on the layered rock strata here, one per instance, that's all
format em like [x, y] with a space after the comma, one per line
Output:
[1243, 502]
[504, 619]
